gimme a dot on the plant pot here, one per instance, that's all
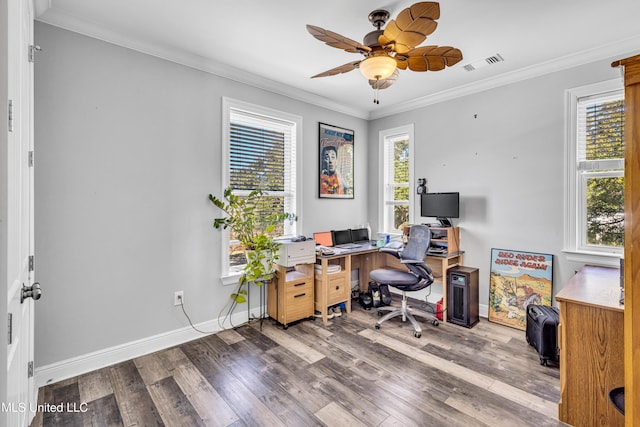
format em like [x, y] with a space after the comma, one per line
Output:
[259, 266]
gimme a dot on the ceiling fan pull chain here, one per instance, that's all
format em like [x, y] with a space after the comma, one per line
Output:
[376, 90]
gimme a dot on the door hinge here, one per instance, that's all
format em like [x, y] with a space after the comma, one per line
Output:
[10, 329]
[30, 369]
[31, 263]
[10, 108]
[31, 158]
[33, 48]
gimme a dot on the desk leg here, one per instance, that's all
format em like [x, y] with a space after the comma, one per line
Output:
[445, 285]
[324, 283]
[347, 303]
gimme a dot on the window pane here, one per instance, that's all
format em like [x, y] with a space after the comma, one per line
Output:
[401, 193]
[605, 211]
[401, 163]
[256, 158]
[269, 205]
[400, 216]
[604, 131]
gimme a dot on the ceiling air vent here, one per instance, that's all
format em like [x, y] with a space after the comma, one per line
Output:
[484, 62]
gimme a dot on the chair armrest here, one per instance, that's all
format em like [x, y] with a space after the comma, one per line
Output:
[411, 261]
[391, 251]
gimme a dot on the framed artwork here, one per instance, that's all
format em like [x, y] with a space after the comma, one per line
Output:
[517, 280]
[336, 162]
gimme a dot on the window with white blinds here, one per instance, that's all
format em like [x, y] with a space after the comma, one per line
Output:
[397, 172]
[596, 169]
[260, 152]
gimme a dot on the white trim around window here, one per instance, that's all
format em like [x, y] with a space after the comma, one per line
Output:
[228, 105]
[384, 137]
[573, 203]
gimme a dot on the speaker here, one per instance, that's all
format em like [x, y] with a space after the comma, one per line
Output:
[462, 296]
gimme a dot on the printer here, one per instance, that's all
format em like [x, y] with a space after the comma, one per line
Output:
[292, 253]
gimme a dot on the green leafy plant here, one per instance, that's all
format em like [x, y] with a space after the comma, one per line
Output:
[254, 221]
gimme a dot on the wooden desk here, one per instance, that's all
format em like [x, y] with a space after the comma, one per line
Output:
[331, 289]
[591, 340]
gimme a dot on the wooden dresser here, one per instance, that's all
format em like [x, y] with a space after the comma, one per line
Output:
[591, 340]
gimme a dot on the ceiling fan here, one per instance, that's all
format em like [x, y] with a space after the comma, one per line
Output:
[394, 48]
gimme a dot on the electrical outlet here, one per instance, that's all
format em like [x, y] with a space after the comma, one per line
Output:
[178, 298]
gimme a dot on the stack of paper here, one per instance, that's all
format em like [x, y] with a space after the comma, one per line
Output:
[331, 268]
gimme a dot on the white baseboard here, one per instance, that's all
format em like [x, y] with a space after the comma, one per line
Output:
[79, 365]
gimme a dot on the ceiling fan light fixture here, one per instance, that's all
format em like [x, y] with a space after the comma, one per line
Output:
[378, 67]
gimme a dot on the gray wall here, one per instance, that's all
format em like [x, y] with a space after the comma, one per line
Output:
[503, 150]
[128, 147]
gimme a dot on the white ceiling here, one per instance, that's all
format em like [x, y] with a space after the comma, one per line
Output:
[266, 44]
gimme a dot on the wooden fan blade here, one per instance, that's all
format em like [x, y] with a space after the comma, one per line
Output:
[336, 40]
[339, 70]
[385, 83]
[412, 26]
[432, 58]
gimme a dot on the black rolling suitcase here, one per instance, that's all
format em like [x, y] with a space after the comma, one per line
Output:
[542, 331]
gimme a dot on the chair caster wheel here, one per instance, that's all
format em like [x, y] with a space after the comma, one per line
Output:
[417, 334]
[377, 326]
[285, 327]
[435, 322]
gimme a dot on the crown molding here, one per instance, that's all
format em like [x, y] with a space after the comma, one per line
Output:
[68, 22]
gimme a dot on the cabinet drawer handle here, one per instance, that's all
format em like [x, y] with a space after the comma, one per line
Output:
[300, 284]
[337, 288]
[299, 295]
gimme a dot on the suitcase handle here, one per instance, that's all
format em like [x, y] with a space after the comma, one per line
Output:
[535, 311]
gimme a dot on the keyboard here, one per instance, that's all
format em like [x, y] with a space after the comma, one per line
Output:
[437, 251]
[349, 246]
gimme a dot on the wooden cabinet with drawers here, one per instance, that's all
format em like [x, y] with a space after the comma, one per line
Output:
[331, 287]
[291, 294]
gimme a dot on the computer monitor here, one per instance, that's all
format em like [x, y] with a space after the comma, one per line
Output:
[341, 237]
[323, 238]
[441, 206]
[359, 235]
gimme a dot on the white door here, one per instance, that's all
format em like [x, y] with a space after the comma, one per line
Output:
[18, 407]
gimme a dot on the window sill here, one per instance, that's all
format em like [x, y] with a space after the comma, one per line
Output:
[230, 279]
[594, 258]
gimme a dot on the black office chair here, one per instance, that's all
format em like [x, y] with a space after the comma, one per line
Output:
[418, 277]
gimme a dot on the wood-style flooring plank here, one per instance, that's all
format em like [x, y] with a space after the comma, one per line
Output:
[210, 406]
[102, 412]
[134, 402]
[173, 405]
[94, 385]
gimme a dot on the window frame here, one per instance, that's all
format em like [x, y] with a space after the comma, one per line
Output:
[575, 182]
[386, 205]
[230, 275]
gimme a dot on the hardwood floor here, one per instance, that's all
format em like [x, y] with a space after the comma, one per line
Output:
[345, 373]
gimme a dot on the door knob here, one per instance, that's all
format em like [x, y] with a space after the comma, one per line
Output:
[32, 291]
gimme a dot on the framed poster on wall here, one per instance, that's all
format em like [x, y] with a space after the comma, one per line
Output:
[336, 162]
[517, 280]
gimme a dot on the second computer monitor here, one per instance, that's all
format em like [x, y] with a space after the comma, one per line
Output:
[359, 235]
[341, 237]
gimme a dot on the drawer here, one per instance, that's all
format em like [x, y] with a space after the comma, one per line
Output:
[337, 289]
[295, 288]
[299, 305]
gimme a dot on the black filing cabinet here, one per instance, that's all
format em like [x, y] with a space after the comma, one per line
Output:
[462, 296]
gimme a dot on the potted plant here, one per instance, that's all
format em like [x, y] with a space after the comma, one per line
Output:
[253, 223]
